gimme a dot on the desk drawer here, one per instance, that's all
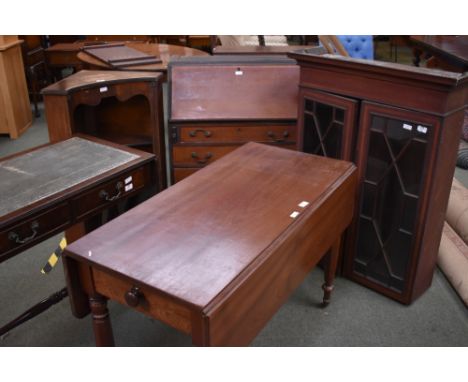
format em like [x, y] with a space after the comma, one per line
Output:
[20, 236]
[231, 133]
[103, 195]
[151, 303]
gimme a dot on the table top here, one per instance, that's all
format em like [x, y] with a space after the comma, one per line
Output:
[163, 51]
[455, 47]
[39, 174]
[193, 239]
[266, 50]
[93, 78]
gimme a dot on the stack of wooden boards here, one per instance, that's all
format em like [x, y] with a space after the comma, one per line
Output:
[120, 55]
[453, 251]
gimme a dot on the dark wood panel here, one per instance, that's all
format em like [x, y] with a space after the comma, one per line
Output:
[230, 92]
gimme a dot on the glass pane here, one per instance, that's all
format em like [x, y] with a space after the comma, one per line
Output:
[311, 138]
[368, 199]
[398, 136]
[409, 213]
[333, 141]
[368, 244]
[378, 123]
[411, 166]
[379, 158]
[390, 198]
[377, 269]
[324, 116]
[324, 134]
[400, 244]
[309, 105]
[389, 203]
[339, 115]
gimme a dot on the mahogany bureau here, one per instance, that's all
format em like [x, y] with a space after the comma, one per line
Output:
[401, 125]
[122, 107]
[217, 254]
[218, 103]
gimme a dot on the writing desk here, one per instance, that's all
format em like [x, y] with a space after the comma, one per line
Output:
[217, 254]
[57, 186]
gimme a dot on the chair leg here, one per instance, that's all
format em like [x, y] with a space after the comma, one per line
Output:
[34, 91]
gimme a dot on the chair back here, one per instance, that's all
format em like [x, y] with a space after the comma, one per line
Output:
[358, 46]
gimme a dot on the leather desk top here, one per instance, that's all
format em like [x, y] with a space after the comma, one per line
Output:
[38, 174]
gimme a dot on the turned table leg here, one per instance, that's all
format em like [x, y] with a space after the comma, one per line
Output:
[101, 321]
[331, 262]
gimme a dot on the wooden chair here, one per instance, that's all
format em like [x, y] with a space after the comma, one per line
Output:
[333, 45]
[35, 67]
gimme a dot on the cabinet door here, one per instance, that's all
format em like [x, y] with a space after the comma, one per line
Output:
[394, 160]
[326, 124]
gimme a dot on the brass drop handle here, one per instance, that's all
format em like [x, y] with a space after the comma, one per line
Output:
[206, 133]
[272, 135]
[103, 194]
[207, 157]
[133, 296]
[13, 236]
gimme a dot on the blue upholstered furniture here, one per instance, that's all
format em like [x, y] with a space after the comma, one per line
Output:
[358, 46]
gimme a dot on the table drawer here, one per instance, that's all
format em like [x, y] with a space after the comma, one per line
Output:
[232, 133]
[146, 301]
[103, 195]
[33, 230]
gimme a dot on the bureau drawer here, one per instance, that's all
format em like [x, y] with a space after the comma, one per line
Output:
[183, 172]
[189, 155]
[103, 195]
[146, 301]
[39, 226]
[232, 133]
[201, 155]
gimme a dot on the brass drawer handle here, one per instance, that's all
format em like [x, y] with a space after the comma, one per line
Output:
[13, 236]
[103, 194]
[272, 135]
[133, 296]
[206, 133]
[207, 157]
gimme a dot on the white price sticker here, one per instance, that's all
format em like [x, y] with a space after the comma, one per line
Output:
[103, 89]
[407, 127]
[422, 129]
[294, 215]
[128, 180]
[129, 187]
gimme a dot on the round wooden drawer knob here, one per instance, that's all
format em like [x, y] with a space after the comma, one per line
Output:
[133, 296]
